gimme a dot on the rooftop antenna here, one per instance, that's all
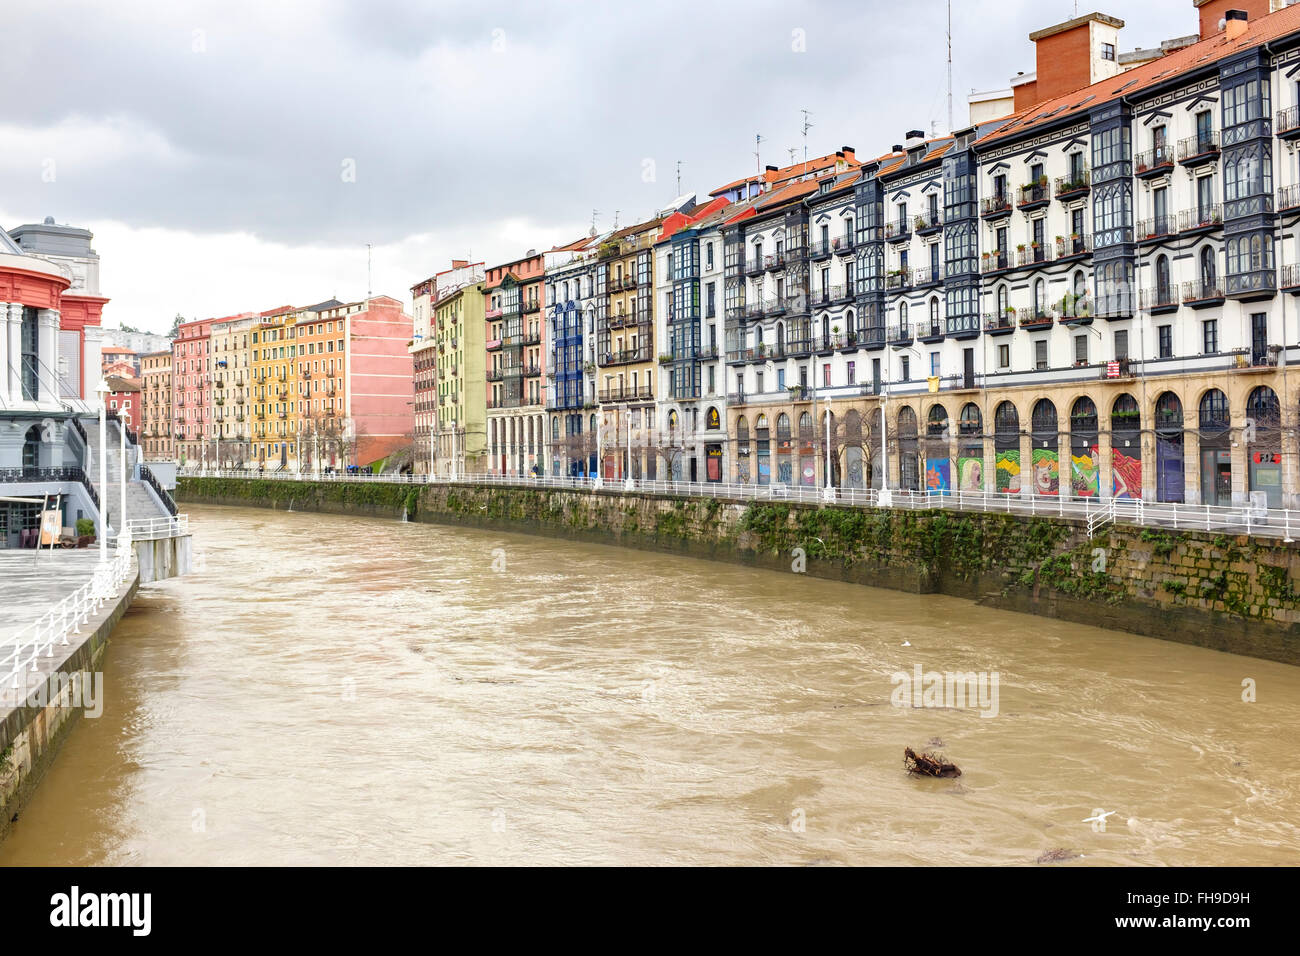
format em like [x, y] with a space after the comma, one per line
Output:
[594, 213]
[758, 162]
[679, 177]
[616, 212]
[369, 286]
[806, 126]
[1076, 10]
[794, 149]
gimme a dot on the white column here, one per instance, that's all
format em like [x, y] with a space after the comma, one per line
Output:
[87, 377]
[5, 357]
[15, 351]
[48, 349]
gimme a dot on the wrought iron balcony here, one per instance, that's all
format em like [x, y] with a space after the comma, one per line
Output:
[821, 249]
[1288, 122]
[1073, 186]
[1155, 228]
[842, 245]
[773, 261]
[1036, 318]
[898, 280]
[1200, 293]
[927, 275]
[1000, 323]
[1154, 161]
[1201, 219]
[1034, 195]
[1159, 299]
[1073, 245]
[1033, 255]
[995, 207]
[1288, 198]
[901, 334]
[900, 230]
[928, 224]
[994, 262]
[1198, 149]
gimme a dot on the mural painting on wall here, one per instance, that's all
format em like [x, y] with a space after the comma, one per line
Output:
[1046, 471]
[1127, 473]
[970, 474]
[1084, 472]
[1008, 471]
[936, 474]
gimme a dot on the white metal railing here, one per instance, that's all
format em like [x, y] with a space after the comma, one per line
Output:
[1237, 519]
[38, 639]
[151, 529]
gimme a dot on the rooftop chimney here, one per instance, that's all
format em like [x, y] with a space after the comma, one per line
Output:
[1235, 23]
[1215, 18]
[1070, 56]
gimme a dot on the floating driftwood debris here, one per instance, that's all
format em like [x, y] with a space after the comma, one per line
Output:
[929, 764]
[1059, 855]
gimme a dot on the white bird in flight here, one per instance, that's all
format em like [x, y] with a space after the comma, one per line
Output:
[1100, 817]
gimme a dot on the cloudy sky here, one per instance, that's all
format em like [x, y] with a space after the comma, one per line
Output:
[234, 156]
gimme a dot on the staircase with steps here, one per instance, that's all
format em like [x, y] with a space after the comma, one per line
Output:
[140, 499]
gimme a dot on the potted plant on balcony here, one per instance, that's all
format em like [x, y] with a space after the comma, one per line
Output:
[1020, 247]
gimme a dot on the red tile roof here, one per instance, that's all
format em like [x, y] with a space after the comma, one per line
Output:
[1210, 50]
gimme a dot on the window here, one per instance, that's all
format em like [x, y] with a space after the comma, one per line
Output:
[853, 373]
[826, 374]
[906, 375]
[1121, 344]
[1081, 350]
[1108, 51]
[1210, 336]
[1004, 356]
[934, 363]
[1040, 354]
[1165, 334]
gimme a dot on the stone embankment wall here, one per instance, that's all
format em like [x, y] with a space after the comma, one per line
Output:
[1231, 593]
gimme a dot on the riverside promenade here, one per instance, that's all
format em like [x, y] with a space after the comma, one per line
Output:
[57, 610]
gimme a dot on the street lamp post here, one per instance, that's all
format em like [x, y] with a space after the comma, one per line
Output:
[102, 391]
[121, 452]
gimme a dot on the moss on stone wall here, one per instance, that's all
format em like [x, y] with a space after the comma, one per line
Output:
[1183, 585]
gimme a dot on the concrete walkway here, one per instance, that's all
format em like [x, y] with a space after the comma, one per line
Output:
[32, 583]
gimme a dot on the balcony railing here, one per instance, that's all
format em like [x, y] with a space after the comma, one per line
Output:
[626, 393]
[1076, 184]
[821, 249]
[898, 230]
[900, 334]
[1202, 291]
[774, 260]
[1152, 161]
[1288, 121]
[994, 262]
[1032, 255]
[1159, 299]
[1067, 246]
[927, 275]
[1035, 318]
[1288, 198]
[626, 356]
[1033, 194]
[898, 280]
[993, 206]
[1155, 227]
[754, 266]
[1200, 147]
[928, 223]
[1208, 217]
[1247, 284]
[842, 245]
[996, 322]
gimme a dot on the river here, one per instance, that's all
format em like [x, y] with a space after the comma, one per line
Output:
[339, 690]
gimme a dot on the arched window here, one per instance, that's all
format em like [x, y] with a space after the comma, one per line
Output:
[907, 423]
[1125, 415]
[934, 315]
[853, 425]
[1006, 424]
[936, 424]
[1263, 408]
[555, 428]
[971, 424]
[1002, 300]
[32, 447]
[1083, 416]
[1214, 410]
[826, 328]
[902, 313]
[1209, 271]
[1162, 279]
[712, 419]
[1169, 412]
[1040, 297]
[805, 425]
[783, 426]
[672, 419]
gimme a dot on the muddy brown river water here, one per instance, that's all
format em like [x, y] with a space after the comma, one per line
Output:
[345, 690]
